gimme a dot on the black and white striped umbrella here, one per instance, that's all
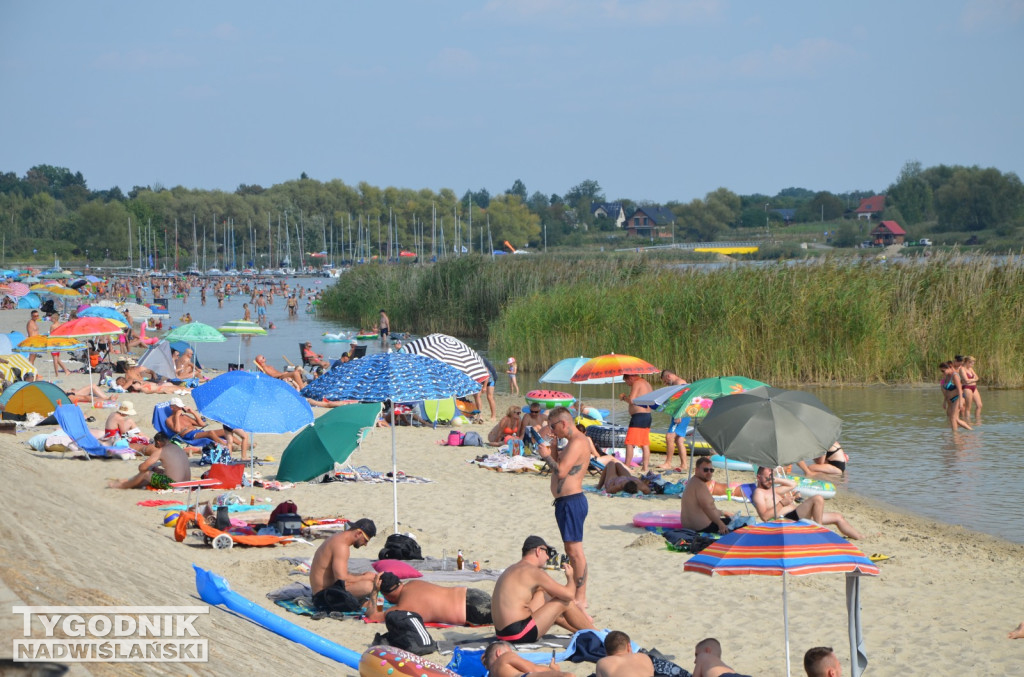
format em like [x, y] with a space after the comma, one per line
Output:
[451, 351]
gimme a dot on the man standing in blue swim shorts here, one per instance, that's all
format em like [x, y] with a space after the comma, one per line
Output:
[568, 466]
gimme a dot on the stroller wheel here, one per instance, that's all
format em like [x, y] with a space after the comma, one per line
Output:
[223, 542]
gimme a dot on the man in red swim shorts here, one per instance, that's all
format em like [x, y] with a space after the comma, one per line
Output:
[639, 432]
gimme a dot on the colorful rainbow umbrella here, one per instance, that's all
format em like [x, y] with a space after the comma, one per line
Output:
[87, 326]
[612, 365]
[709, 388]
[49, 344]
[782, 547]
[63, 292]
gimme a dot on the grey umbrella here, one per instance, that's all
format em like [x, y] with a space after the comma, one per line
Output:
[858, 653]
[770, 426]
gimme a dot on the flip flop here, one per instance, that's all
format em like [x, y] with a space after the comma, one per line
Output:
[879, 557]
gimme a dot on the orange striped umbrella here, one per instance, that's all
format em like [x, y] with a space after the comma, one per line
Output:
[87, 326]
[612, 365]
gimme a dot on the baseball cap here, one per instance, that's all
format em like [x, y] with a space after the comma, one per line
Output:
[534, 542]
[366, 525]
[388, 582]
[176, 402]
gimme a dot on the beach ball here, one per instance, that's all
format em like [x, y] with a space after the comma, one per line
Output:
[171, 519]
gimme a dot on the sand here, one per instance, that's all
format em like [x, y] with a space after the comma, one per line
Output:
[943, 603]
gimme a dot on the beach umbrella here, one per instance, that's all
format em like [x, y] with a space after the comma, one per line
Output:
[770, 427]
[6, 347]
[781, 548]
[562, 372]
[88, 326]
[16, 289]
[610, 365]
[137, 310]
[10, 363]
[710, 389]
[61, 292]
[30, 279]
[103, 311]
[77, 284]
[331, 439]
[196, 332]
[391, 377]
[241, 328]
[452, 352]
[49, 344]
[157, 359]
[93, 279]
[656, 399]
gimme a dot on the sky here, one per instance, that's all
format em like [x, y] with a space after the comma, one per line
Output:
[657, 100]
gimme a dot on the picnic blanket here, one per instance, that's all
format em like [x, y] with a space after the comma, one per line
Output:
[505, 463]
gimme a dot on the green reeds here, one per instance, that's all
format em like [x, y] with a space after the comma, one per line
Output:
[832, 322]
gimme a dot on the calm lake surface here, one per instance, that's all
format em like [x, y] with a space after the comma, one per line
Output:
[901, 450]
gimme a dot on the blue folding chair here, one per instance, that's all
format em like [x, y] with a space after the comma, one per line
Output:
[160, 414]
[72, 421]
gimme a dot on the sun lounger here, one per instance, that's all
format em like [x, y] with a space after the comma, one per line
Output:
[160, 414]
[72, 421]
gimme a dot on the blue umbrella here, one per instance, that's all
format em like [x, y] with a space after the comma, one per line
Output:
[104, 312]
[253, 402]
[394, 377]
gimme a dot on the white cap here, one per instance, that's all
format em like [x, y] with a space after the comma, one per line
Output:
[511, 360]
[176, 402]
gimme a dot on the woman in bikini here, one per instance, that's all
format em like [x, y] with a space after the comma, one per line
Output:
[952, 391]
[506, 427]
[832, 462]
[969, 378]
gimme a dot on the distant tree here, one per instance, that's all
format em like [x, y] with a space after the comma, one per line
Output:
[723, 207]
[9, 183]
[538, 202]
[977, 199]
[912, 194]
[584, 190]
[480, 198]
[254, 189]
[845, 235]
[797, 194]
[556, 199]
[510, 219]
[823, 206]
[519, 189]
[303, 176]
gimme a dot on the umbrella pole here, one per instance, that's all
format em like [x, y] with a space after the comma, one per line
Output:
[394, 467]
[88, 362]
[785, 619]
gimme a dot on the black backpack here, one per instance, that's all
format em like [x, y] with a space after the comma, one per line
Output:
[407, 632]
[400, 546]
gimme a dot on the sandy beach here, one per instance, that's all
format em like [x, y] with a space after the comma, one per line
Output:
[944, 601]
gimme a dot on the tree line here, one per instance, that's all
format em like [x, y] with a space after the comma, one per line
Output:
[50, 210]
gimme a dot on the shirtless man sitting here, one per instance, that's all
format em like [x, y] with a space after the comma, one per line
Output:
[697, 509]
[120, 423]
[294, 377]
[772, 503]
[329, 568]
[188, 424]
[435, 603]
[501, 660]
[616, 477]
[165, 463]
[707, 660]
[531, 426]
[527, 601]
[620, 660]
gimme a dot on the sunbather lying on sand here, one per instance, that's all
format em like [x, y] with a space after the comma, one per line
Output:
[616, 477]
[165, 463]
[501, 660]
[148, 387]
[435, 603]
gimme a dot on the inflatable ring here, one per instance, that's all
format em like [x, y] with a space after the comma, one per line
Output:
[387, 661]
[549, 399]
[366, 337]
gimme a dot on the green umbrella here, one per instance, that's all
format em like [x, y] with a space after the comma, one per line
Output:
[331, 439]
[196, 332]
[709, 388]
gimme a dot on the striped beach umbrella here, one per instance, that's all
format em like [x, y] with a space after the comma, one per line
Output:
[452, 352]
[15, 289]
[782, 547]
[242, 327]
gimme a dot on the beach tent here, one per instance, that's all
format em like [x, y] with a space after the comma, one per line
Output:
[30, 301]
[42, 397]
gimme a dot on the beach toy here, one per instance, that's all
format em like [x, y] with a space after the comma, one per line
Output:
[638, 455]
[721, 463]
[215, 590]
[171, 519]
[387, 661]
[334, 338]
[658, 443]
[809, 487]
[665, 519]
[549, 399]
[607, 436]
[367, 337]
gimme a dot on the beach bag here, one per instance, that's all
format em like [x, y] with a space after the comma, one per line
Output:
[407, 632]
[472, 439]
[400, 546]
[285, 519]
[336, 598]
[455, 438]
[216, 454]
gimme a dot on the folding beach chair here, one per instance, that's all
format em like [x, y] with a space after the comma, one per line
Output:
[72, 421]
[160, 414]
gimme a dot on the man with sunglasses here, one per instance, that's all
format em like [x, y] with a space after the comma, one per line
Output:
[697, 507]
[568, 466]
[526, 601]
[328, 572]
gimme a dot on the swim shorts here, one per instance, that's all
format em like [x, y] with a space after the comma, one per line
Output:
[520, 631]
[478, 607]
[335, 598]
[711, 528]
[159, 481]
[792, 515]
[260, 310]
[680, 428]
[570, 513]
[639, 432]
[384, 331]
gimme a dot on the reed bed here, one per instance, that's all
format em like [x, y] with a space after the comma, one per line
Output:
[831, 322]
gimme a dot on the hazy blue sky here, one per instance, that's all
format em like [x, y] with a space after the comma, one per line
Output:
[655, 99]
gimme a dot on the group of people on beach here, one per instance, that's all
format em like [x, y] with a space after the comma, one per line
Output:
[960, 394]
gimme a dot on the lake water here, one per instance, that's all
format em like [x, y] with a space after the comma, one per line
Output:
[901, 450]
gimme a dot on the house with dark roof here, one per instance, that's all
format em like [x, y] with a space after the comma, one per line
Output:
[887, 233]
[870, 206]
[651, 221]
[609, 210]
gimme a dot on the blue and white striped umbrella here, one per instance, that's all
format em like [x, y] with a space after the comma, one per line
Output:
[398, 377]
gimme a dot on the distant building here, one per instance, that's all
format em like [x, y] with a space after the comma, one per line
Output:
[887, 233]
[609, 210]
[870, 207]
[787, 215]
[651, 222]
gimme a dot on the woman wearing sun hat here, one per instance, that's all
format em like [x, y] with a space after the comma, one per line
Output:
[121, 425]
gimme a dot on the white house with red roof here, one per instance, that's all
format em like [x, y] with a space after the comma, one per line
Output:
[870, 206]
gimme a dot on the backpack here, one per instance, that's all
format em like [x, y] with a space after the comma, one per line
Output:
[472, 439]
[285, 519]
[407, 632]
[400, 546]
[455, 438]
